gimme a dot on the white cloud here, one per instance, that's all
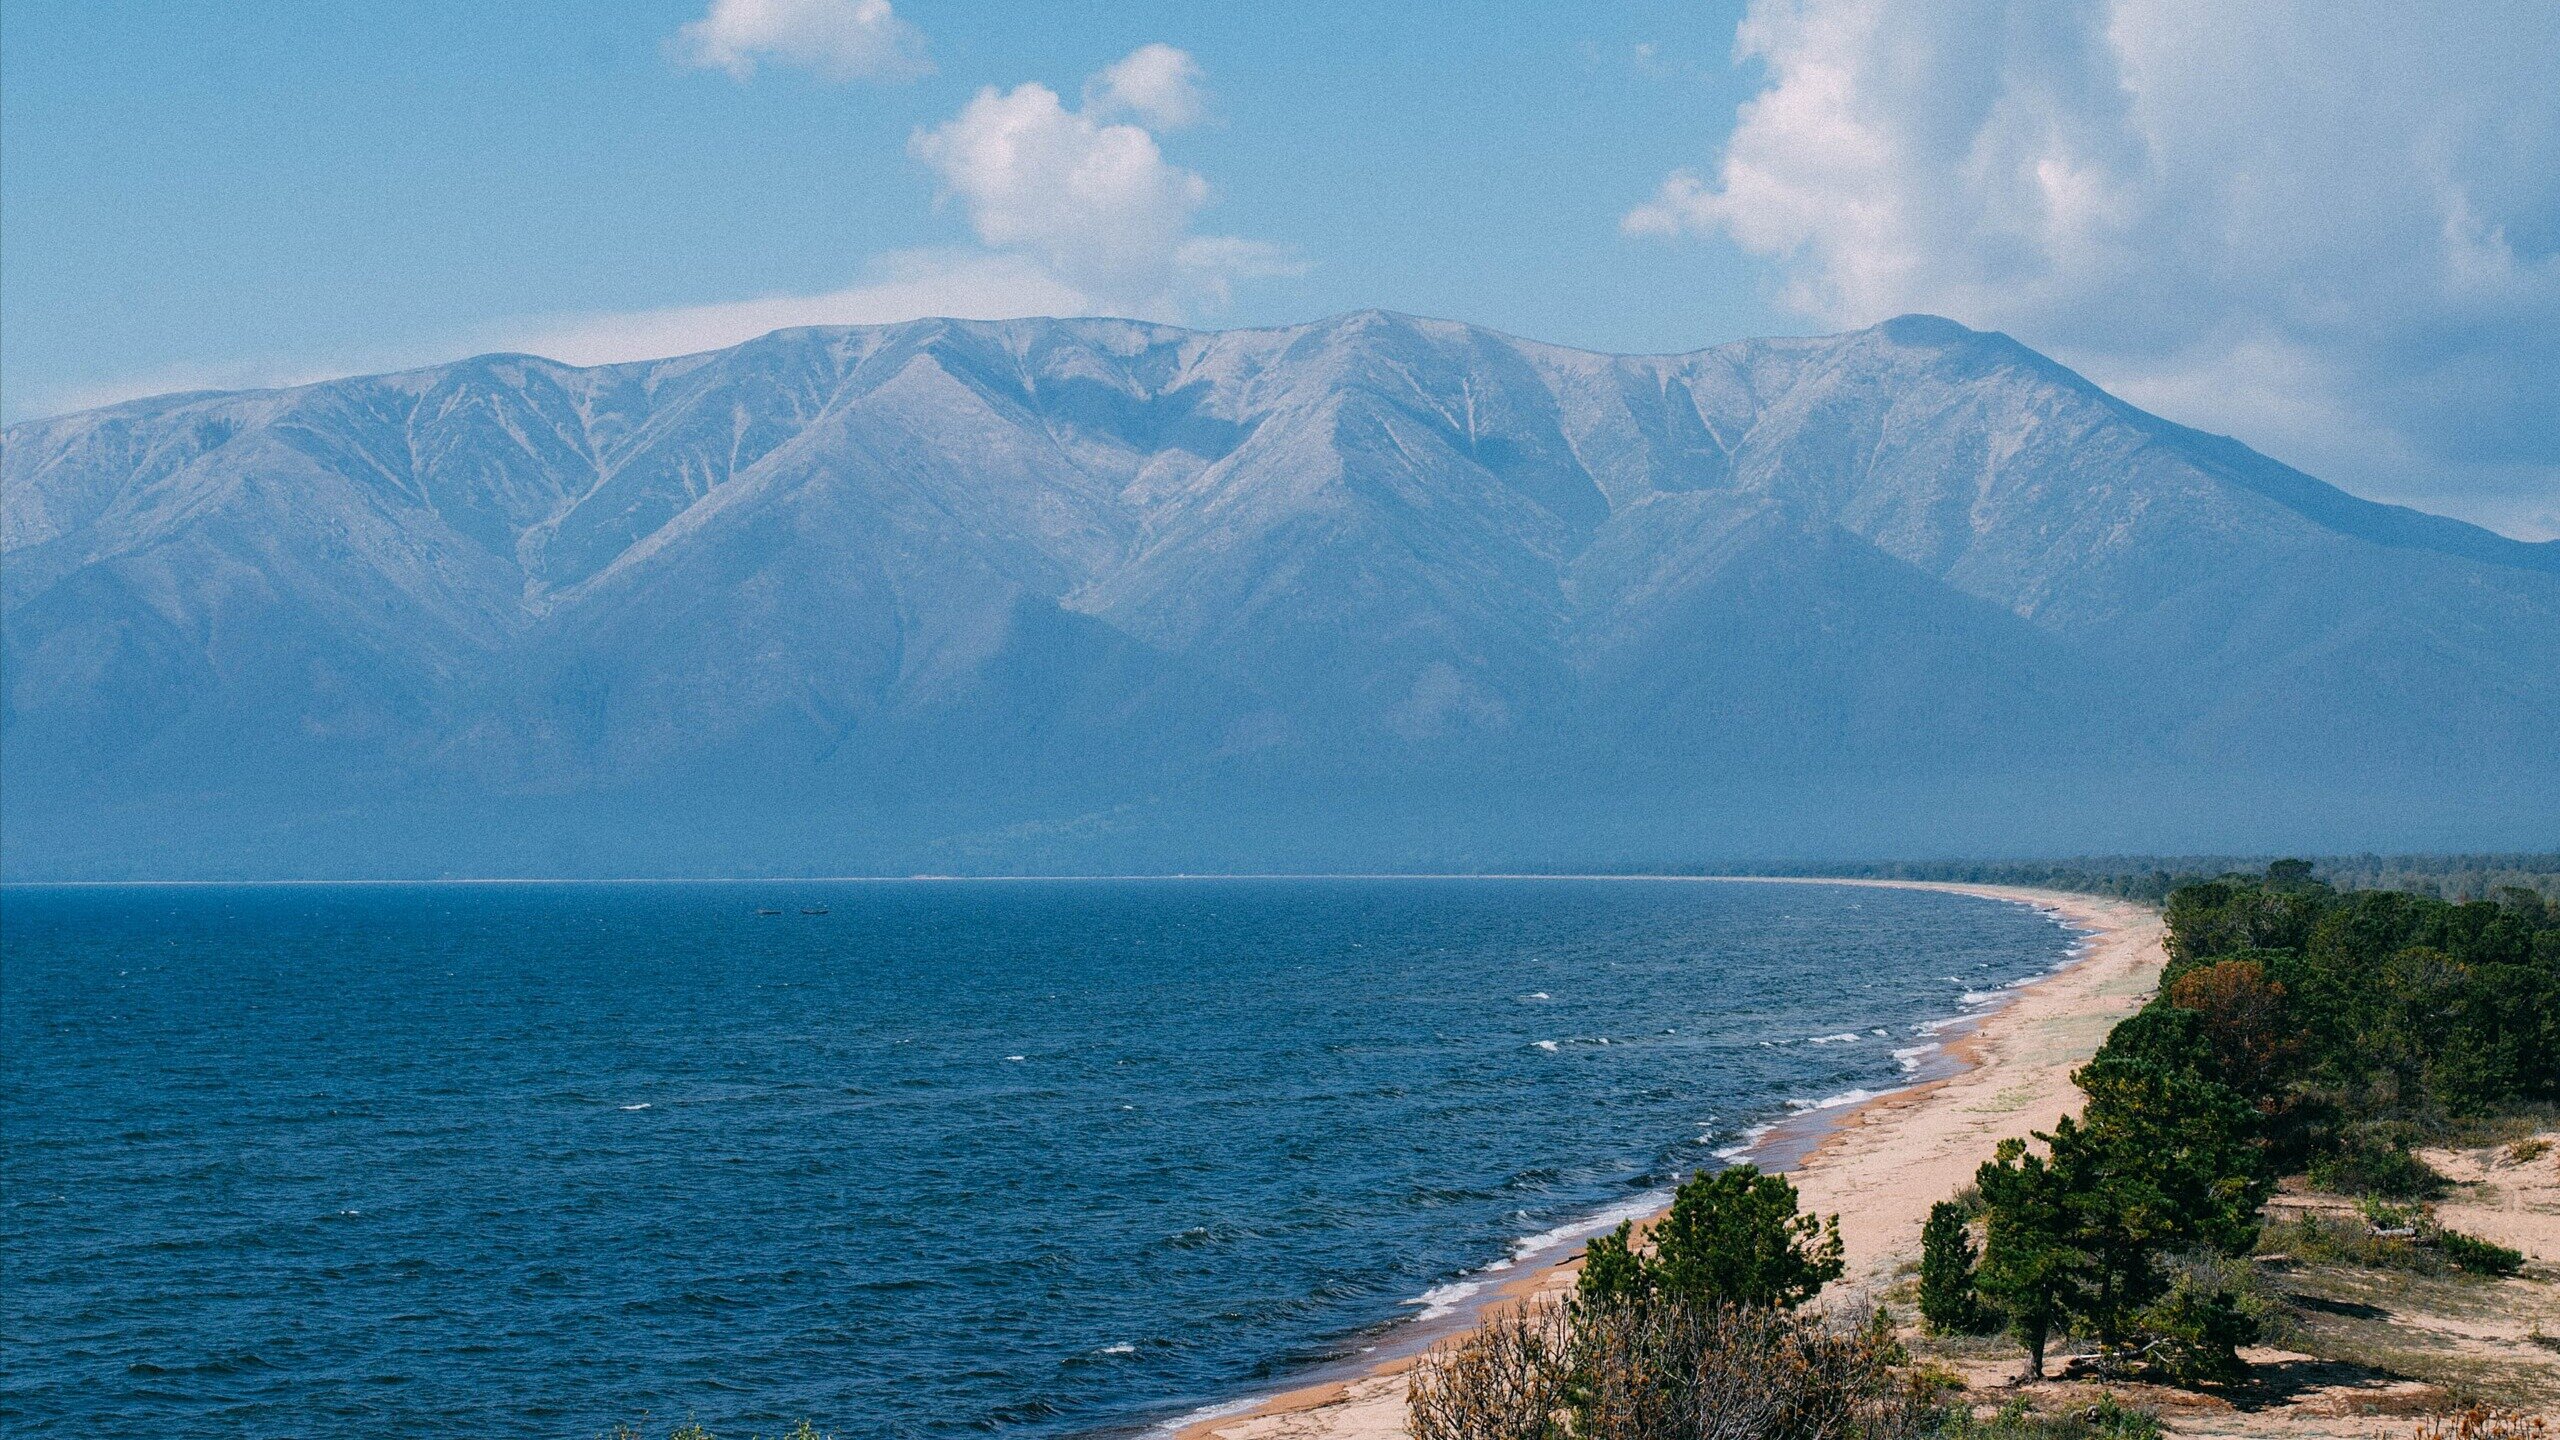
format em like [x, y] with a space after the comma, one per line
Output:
[62, 399]
[1093, 201]
[2333, 230]
[903, 285]
[836, 39]
[1156, 83]
[1075, 215]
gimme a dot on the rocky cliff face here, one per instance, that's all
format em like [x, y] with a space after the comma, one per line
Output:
[1372, 591]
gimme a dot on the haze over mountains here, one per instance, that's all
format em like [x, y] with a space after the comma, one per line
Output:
[1099, 595]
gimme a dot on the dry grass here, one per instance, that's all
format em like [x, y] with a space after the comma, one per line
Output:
[2481, 1423]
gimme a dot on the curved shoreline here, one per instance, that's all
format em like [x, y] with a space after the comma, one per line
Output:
[1880, 1163]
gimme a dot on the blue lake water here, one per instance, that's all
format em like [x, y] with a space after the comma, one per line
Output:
[1031, 1157]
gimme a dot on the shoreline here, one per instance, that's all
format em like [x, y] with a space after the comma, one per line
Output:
[1879, 1163]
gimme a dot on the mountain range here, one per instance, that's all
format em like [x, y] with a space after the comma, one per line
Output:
[1372, 592]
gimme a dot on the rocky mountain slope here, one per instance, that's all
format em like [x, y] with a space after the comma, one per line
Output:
[1096, 594]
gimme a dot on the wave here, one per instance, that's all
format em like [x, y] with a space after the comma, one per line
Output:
[1444, 1300]
[1750, 1137]
[1219, 1411]
[1529, 1247]
[1834, 1102]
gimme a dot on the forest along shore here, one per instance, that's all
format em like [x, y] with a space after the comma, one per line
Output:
[1881, 1165]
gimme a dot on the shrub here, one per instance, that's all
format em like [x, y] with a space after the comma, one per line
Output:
[2478, 1256]
[2109, 1419]
[2383, 1214]
[2366, 1162]
[2320, 1240]
[1507, 1380]
[1647, 1367]
[1733, 1237]
[2197, 1330]
[2528, 1150]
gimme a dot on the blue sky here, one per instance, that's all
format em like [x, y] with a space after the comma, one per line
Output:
[277, 184]
[2331, 230]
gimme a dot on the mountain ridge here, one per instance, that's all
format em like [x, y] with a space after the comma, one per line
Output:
[931, 584]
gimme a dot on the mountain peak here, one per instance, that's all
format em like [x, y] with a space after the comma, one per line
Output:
[1930, 331]
[1379, 589]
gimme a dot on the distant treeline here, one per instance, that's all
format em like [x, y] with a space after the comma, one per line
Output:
[2153, 877]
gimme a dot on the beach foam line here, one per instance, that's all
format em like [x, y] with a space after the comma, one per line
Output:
[1833, 1102]
[1750, 1140]
[1207, 1413]
[1531, 1247]
[1442, 1300]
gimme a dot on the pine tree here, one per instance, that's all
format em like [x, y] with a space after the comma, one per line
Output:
[1735, 1238]
[1611, 1268]
[2031, 1266]
[1947, 1297]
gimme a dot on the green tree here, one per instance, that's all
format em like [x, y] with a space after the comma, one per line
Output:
[2031, 1264]
[2164, 1161]
[1733, 1237]
[1948, 1300]
[2242, 1017]
[1611, 1268]
[2191, 1138]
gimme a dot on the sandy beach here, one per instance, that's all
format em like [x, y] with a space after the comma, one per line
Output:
[1879, 1166]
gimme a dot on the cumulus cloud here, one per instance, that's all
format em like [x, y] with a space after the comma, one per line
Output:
[1075, 213]
[2332, 230]
[836, 39]
[1092, 200]
[1155, 83]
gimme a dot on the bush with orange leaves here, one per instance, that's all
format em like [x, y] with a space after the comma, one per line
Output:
[2253, 1038]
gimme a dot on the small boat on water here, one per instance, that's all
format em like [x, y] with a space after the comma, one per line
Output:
[813, 909]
